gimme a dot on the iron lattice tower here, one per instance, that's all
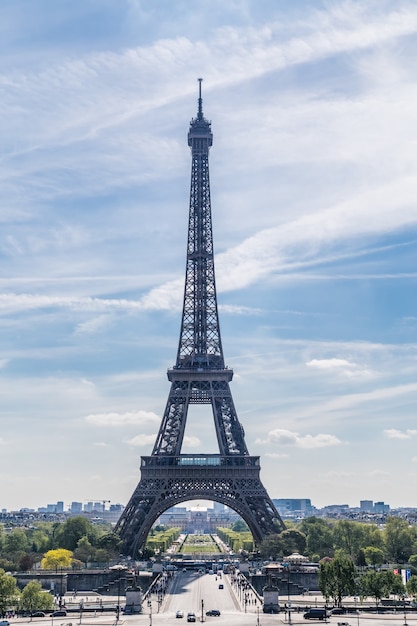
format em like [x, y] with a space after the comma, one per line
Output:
[198, 377]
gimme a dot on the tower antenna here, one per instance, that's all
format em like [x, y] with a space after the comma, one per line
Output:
[200, 100]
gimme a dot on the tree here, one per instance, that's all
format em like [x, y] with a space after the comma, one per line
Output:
[319, 536]
[57, 559]
[372, 584]
[380, 585]
[67, 535]
[393, 583]
[347, 536]
[27, 562]
[16, 542]
[337, 577]
[84, 550]
[399, 538]
[360, 558]
[374, 556]
[293, 541]
[9, 593]
[40, 540]
[413, 560]
[34, 598]
[240, 526]
[412, 586]
[372, 536]
[271, 547]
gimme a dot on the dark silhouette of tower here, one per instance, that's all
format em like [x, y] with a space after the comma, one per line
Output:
[199, 376]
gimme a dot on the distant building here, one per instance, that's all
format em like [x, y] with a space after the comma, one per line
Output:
[76, 507]
[381, 507]
[294, 507]
[367, 506]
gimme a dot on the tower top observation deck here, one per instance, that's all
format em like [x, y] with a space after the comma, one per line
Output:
[200, 128]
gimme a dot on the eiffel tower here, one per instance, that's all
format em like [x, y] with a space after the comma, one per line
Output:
[199, 376]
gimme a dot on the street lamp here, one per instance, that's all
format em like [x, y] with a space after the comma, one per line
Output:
[405, 613]
[287, 565]
[81, 610]
[356, 608]
[150, 612]
[119, 569]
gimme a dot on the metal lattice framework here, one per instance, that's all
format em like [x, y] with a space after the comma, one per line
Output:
[199, 377]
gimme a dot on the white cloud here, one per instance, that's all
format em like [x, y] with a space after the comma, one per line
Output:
[341, 366]
[142, 440]
[393, 433]
[101, 444]
[94, 325]
[284, 437]
[137, 418]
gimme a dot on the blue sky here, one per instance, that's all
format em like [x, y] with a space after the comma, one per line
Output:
[314, 187]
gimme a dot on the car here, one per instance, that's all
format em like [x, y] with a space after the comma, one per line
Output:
[58, 614]
[221, 586]
[191, 617]
[4, 622]
[320, 614]
[38, 614]
[213, 613]
[179, 614]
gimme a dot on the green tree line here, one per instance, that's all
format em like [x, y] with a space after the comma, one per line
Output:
[365, 544]
[21, 548]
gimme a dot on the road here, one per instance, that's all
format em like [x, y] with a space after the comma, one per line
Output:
[191, 591]
[187, 592]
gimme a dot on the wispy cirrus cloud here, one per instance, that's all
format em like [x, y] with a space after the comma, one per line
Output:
[284, 437]
[117, 420]
[393, 433]
[342, 367]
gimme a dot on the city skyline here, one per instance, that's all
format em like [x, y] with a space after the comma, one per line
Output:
[313, 195]
[282, 504]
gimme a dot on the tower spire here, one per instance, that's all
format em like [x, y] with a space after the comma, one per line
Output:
[200, 101]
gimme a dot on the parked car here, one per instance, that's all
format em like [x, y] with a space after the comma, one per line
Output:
[191, 617]
[38, 614]
[4, 622]
[213, 613]
[179, 614]
[57, 614]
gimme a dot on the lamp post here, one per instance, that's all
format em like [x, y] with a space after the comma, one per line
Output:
[257, 619]
[356, 608]
[202, 610]
[119, 569]
[81, 610]
[287, 565]
[150, 612]
[405, 613]
[118, 600]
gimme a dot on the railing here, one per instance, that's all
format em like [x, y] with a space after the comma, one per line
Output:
[199, 460]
